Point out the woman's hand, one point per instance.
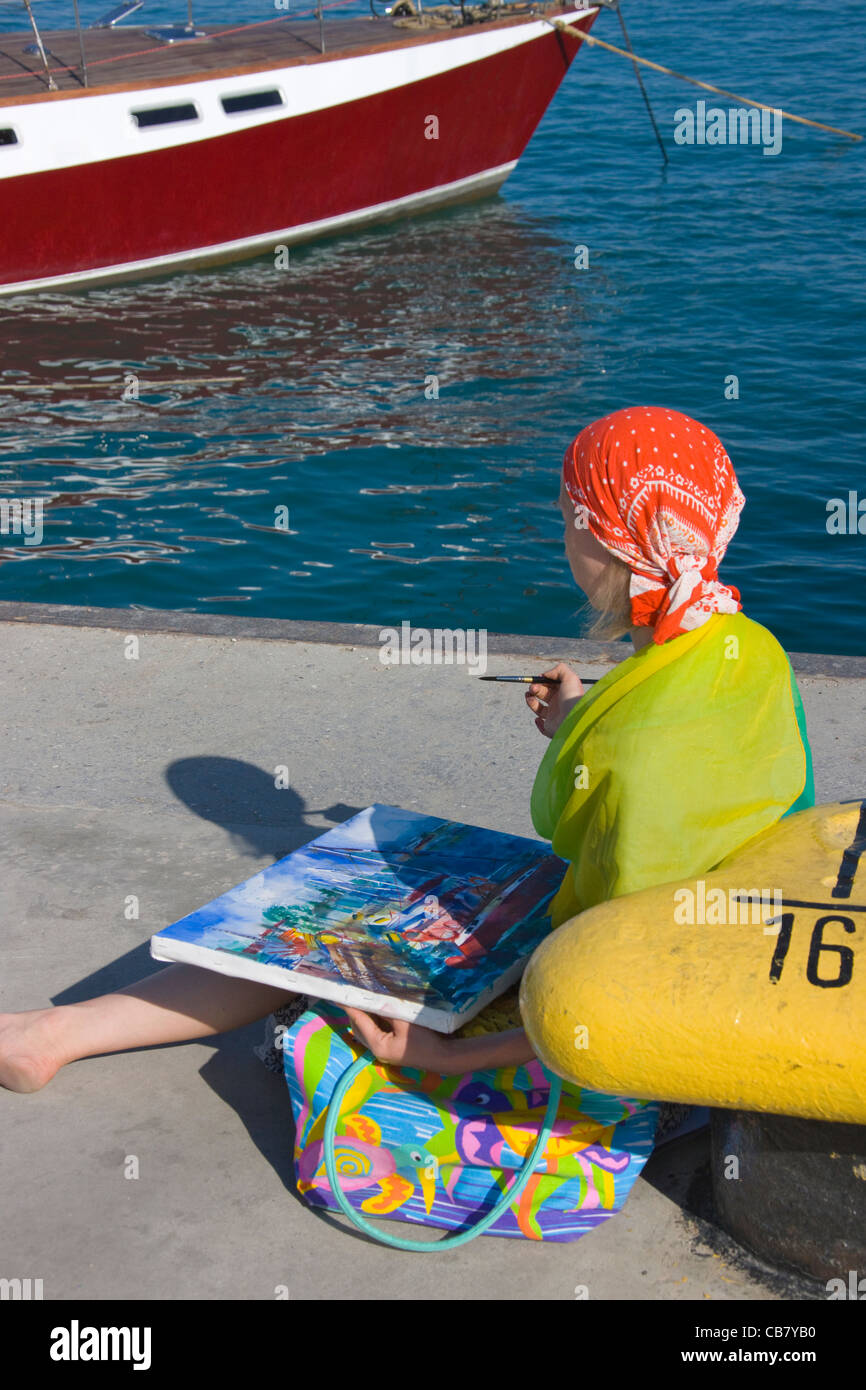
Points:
(551, 703)
(399, 1044)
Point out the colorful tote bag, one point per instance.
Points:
(440, 1150)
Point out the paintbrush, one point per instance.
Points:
(539, 680)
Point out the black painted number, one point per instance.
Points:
(783, 941)
(817, 947)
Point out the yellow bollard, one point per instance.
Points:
(693, 992)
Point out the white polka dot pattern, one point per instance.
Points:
(670, 524)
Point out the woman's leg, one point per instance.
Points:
(173, 1005)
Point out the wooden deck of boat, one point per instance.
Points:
(128, 56)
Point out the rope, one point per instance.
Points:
(707, 86)
(640, 83)
(422, 1247)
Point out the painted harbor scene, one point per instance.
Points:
(418, 917)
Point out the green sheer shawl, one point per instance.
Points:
(677, 756)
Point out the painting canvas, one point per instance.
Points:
(405, 915)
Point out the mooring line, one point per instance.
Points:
(640, 83)
(707, 86)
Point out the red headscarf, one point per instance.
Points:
(659, 492)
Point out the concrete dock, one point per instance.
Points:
(152, 777)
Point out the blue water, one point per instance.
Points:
(443, 511)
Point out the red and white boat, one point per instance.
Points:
(126, 153)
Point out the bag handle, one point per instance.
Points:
(447, 1242)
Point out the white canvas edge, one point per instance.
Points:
(385, 1005)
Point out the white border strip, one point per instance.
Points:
(92, 128)
(385, 1005)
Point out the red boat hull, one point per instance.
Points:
(239, 193)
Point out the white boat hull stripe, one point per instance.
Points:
(98, 127)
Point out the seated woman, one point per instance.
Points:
(680, 754)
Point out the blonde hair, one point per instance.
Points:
(612, 605)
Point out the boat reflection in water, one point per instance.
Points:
(169, 500)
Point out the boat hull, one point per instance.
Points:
(384, 135)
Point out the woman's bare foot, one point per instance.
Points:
(29, 1051)
(178, 1004)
